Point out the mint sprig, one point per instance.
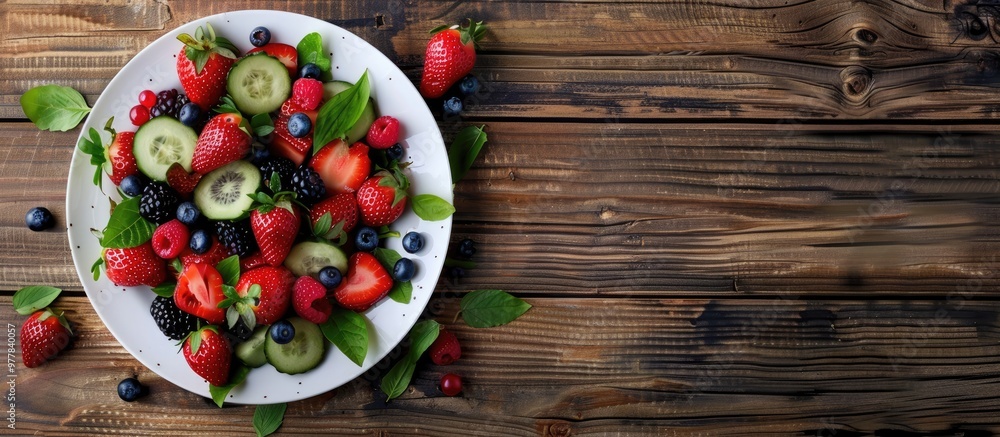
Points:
(267, 418)
(488, 308)
(464, 150)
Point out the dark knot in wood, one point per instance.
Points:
(866, 36)
(857, 82)
(559, 429)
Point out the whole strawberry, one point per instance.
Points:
(450, 55)
(134, 266)
(43, 336)
(265, 291)
(202, 65)
(382, 198)
(343, 208)
(209, 355)
(223, 140)
(275, 226)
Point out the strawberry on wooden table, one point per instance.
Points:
(223, 140)
(450, 55)
(133, 266)
(202, 65)
(366, 283)
(209, 355)
(43, 336)
(382, 198)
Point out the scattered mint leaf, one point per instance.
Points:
(267, 418)
(338, 115)
(33, 298)
(431, 208)
(310, 50)
(487, 308)
(126, 228)
(349, 332)
(421, 337)
(54, 107)
(464, 150)
(219, 393)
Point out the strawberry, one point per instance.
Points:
(215, 253)
(366, 283)
(450, 55)
(284, 144)
(291, 106)
(382, 198)
(180, 180)
(275, 226)
(116, 159)
(343, 168)
(170, 239)
(341, 207)
(266, 292)
(445, 349)
(308, 93)
(252, 262)
(199, 292)
(43, 335)
(134, 266)
(208, 353)
(383, 133)
(285, 53)
(223, 140)
(202, 66)
(310, 301)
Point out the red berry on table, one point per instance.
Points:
(134, 266)
(138, 115)
(310, 301)
(451, 384)
(199, 292)
(450, 55)
(382, 198)
(202, 66)
(342, 207)
(209, 355)
(445, 349)
(147, 98)
(384, 132)
(285, 53)
(170, 239)
(275, 292)
(222, 141)
(366, 283)
(308, 93)
(343, 168)
(275, 227)
(43, 336)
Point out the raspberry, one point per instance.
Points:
(308, 93)
(170, 238)
(445, 350)
(384, 132)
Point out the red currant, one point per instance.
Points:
(147, 98)
(138, 115)
(451, 384)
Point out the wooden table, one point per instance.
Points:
(731, 217)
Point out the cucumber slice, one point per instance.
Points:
(309, 257)
(302, 354)
(360, 129)
(258, 84)
(161, 142)
(223, 194)
(251, 352)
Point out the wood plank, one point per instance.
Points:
(598, 365)
(658, 60)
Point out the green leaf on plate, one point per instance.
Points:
(338, 115)
(267, 418)
(310, 50)
(229, 268)
(33, 298)
(401, 292)
(54, 107)
(349, 332)
(165, 289)
(431, 208)
(487, 308)
(219, 393)
(464, 150)
(126, 228)
(387, 257)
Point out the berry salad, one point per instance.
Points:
(257, 204)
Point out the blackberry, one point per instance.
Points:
(236, 236)
(307, 185)
(284, 167)
(158, 203)
(173, 322)
(168, 102)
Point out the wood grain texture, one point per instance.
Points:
(593, 365)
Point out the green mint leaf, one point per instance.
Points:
(398, 378)
(339, 114)
(54, 107)
(267, 418)
(126, 228)
(464, 150)
(386, 257)
(238, 376)
(33, 298)
(323, 225)
(229, 268)
(401, 292)
(310, 50)
(431, 208)
(93, 146)
(349, 332)
(488, 308)
(165, 289)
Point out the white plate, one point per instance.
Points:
(125, 311)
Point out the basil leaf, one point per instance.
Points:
(487, 308)
(54, 107)
(422, 335)
(33, 298)
(267, 418)
(310, 50)
(401, 292)
(387, 257)
(339, 114)
(126, 228)
(229, 268)
(219, 393)
(464, 150)
(261, 124)
(398, 378)
(432, 208)
(349, 332)
(165, 289)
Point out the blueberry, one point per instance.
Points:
(366, 240)
(282, 332)
(469, 85)
(133, 185)
(453, 106)
(403, 270)
(188, 213)
(299, 125)
(260, 36)
(310, 70)
(394, 152)
(39, 219)
(330, 277)
(259, 155)
(467, 248)
(189, 114)
(200, 242)
(456, 273)
(413, 242)
(130, 389)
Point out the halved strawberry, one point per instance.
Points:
(180, 180)
(291, 106)
(343, 168)
(215, 253)
(366, 283)
(284, 144)
(285, 53)
(199, 292)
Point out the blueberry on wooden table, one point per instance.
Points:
(39, 219)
